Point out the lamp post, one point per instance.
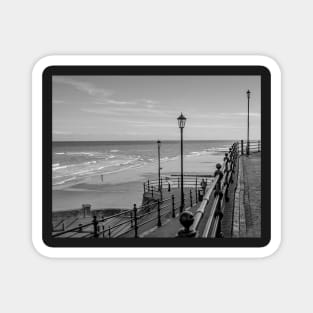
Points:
(181, 124)
(248, 126)
(159, 165)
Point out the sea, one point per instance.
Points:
(73, 161)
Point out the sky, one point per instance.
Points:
(91, 108)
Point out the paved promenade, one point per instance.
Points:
(170, 226)
(247, 209)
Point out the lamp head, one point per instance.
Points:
(181, 120)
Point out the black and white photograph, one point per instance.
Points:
(156, 156)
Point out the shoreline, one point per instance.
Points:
(122, 189)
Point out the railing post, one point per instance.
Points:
(148, 185)
(242, 147)
(258, 145)
(159, 214)
(190, 195)
(152, 191)
(80, 228)
(102, 231)
(135, 221)
(196, 189)
(219, 214)
(173, 206)
(178, 184)
(144, 187)
(231, 172)
(109, 232)
(226, 161)
(220, 175)
(169, 187)
(226, 191)
(131, 219)
(95, 227)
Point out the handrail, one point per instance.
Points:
(89, 224)
(219, 190)
(251, 146)
(200, 211)
(132, 218)
(173, 181)
(213, 225)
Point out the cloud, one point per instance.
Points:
(153, 124)
(138, 102)
(216, 126)
(150, 106)
(239, 114)
(112, 101)
(150, 101)
(61, 132)
(83, 86)
(55, 101)
(126, 111)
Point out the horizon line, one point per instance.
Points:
(152, 140)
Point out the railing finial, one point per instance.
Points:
(95, 227)
(186, 219)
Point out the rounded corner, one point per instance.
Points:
(270, 64)
(271, 247)
(42, 247)
(43, 64)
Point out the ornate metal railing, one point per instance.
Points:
(253, 146)
(155, 188)
(205, 222)
(130, 222)
(213, 204)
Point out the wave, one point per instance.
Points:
(91, 162)
(59, 167)
(203, 152)
(64, 181)
(82, 170)
(81, 153)
(123, 169)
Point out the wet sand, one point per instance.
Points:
(123, 189)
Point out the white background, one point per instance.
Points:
(32, 29)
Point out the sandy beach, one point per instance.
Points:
(124, 188)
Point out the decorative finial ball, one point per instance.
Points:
(218, 166)
(186, 219)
